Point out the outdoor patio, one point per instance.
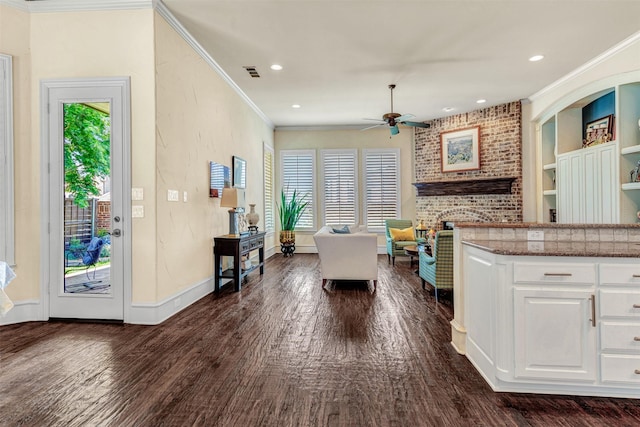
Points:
(78, 282)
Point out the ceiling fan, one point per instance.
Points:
(392, 119)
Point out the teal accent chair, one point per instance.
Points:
(437, 269)
(397, 248)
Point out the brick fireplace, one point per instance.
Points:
(500, 157)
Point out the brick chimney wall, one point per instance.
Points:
(500, 156)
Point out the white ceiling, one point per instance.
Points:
(339, 56)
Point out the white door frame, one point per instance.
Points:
(123, 85)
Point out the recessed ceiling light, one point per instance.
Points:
(276, 67)
(448, 109)
(296, 106)
(481, 101)
(535, 58)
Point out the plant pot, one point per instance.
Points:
(287, 242)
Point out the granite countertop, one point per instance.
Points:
(558, 248)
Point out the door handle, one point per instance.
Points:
(117, 232)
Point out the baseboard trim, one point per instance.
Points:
(458, 337)
(23, 311)
(156, 313)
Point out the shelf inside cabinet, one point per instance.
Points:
(631, 150)
(549, 167)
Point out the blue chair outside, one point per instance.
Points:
(92, 254)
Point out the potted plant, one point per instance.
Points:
(289, 211)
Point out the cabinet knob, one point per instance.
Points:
(637, 371)
(636, 305)
(636, 338)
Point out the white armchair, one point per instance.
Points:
(352, 256)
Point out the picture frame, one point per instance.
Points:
(219, 178)
(239, 172)
(598, 131)
(460, 150)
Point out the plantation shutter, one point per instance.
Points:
(298, 173)
(269, 224)
(340, 184)
(382, 186)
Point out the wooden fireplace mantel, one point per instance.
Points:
(465, 187)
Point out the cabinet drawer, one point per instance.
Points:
(257, 243)
(245, 246)
(620, 274)
(620, 336)
(619, 303)
(553, 273)
(620, 368)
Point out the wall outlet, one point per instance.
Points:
(137, 194)
(172, 195)
(535, 235)
(137, 211)
(184, 196)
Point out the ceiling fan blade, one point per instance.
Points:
(375, 120)
(394, 130)
(417, 124)
(374, 126)
(404, 117)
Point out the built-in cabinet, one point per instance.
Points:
(559, 325)
(592, 184)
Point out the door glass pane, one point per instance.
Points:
(87, 202)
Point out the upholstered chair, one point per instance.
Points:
(437, 268)
(395, 245)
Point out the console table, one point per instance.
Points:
(237, 246)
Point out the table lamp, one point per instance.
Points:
(233, 198)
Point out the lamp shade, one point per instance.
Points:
(232, 198)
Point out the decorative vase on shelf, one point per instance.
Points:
(253, 217)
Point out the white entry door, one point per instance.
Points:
(87, 239)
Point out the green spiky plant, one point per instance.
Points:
(291, 210)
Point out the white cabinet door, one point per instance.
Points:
(586, 186)
(553, 335)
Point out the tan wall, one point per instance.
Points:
(199, 119)
(14, 40)
(100, 44)
(327, 139)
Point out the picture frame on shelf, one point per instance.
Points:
(239, 172)
(598, 131)
(460, 150)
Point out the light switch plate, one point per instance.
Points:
(184, 196)
(536, 235)
(137, 194)
(172, 195)
(137, 211)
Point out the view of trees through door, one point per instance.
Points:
(87, 204)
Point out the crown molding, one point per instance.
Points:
(197, 47)
(76, 6)
(587, 66)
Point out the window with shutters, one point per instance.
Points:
(381, 186)
(298, 171)
(339, 186)
(6, 161)
(269, 224)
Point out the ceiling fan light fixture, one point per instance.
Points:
(394, 130)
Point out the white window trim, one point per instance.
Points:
(322, 197)
(7, 249)
(269, 204)
(398, 214)
(312, 196)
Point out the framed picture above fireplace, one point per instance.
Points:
(460, 149)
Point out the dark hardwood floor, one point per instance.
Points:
(280, 353)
